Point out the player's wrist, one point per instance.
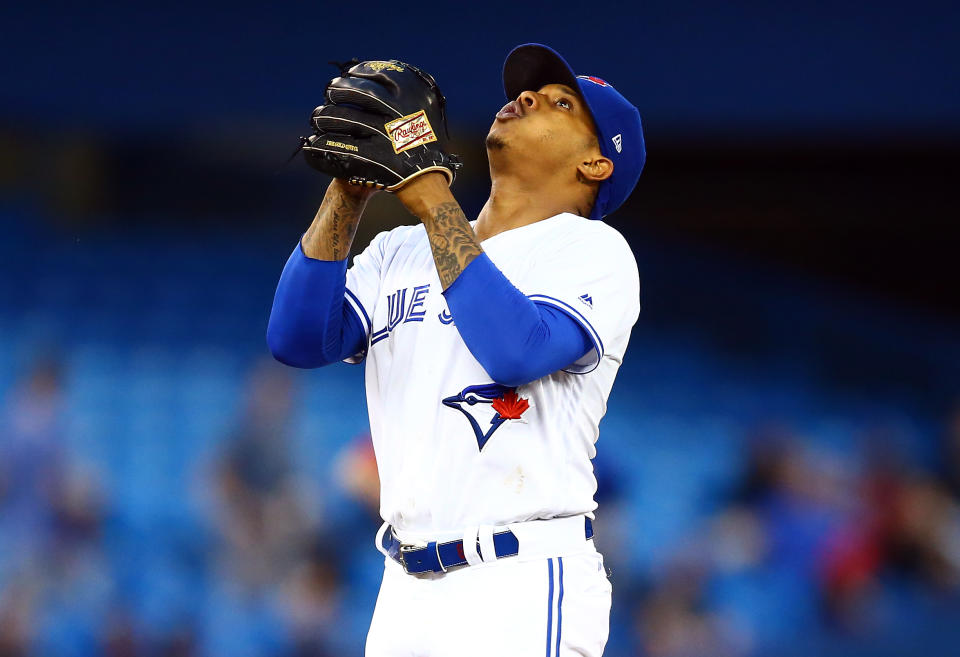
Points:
(356, 193)
(425, 192)
(331, 233)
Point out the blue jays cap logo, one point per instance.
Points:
(594, 79)
(503, 399)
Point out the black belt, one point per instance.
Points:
(437, 557)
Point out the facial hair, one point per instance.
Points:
(495, 143)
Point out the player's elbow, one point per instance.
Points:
(282, 350)
(510, 370)
(289, 350)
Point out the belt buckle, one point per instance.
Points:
(428, 567)
(404, 548)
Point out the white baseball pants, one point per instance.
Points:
(512, 607)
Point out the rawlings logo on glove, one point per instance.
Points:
(409, 131)
(377, 126)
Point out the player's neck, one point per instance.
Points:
(514, 203)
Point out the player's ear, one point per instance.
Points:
(595, 168)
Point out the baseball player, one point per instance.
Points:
(491, 347)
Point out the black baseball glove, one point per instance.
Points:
(379, 126)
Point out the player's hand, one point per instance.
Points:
(379, 127)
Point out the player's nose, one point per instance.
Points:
(529, 100)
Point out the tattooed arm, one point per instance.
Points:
(452, 239)
(311, 323)
(331, 233)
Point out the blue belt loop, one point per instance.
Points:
(436, 549)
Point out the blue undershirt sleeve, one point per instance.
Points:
(311, 324)
(515, 339)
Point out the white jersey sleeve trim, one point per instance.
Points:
(364, 318)
(581, 366)
(359, 310)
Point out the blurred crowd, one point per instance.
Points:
(276, 560)
(263, 576)
(807, 543)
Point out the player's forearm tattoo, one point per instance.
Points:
(331, 233)
(452, 240)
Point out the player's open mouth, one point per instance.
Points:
(510, 111)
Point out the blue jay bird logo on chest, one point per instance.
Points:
(507, 405)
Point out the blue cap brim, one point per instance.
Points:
(533, 65)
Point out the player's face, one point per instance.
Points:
(551, 125)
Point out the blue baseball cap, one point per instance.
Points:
(533, 65)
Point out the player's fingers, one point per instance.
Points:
(363, 94)
(348, 121)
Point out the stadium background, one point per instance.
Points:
(779, 468)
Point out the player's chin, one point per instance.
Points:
(495, 141)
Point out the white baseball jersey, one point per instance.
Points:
(453, 448)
